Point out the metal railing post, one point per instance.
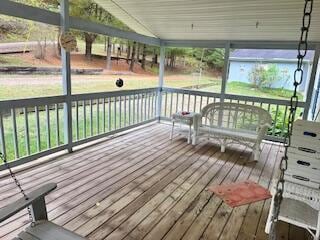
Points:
(66, 77)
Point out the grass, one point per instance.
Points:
(246, 89)
(46, 85)
(11, 61)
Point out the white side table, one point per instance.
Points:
(188, 118)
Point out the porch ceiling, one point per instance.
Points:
(274, 20)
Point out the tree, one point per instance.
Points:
(11, 27)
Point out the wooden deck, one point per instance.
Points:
(141, 185)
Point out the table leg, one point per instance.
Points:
(171, 133)
(189, 135)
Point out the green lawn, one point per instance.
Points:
(240, 88)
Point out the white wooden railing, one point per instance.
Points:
(36, 127)
(174, 100)
(32, 128)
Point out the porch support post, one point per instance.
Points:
(311, 82)
(160, 85)
(66, 77)
(225, 71)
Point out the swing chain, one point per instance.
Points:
(17, 183)
(298, 78)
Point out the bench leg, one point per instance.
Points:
(256, 152)
(223, 146)
(171, 133)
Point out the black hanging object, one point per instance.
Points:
(119, 82)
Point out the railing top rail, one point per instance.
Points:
(87, 96)
(233, 97)
(30, 102)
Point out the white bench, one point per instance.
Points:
(233, 122)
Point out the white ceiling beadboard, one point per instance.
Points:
(274, 20)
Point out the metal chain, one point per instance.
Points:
(16, 181)
(298, 77)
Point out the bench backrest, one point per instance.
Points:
(235, 115)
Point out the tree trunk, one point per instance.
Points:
(134, 46)
(128, 52)
(109, 61)
(138, 52)
(89, 38)
(143, 61)
(113, 48)
(58, 45)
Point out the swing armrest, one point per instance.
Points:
(34, 197)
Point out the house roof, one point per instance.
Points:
(274, 20)
(268, 54)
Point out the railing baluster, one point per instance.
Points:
(145, 106)
(171, 102)
(98, 116)
(91, 118)
(201, 103)
(48, 126)
(26, 130)
(129, 110)
(284, 121)
(57, 124)
(141, 108)
(38, 128)
(275, 120)
(149, 104)
(115, 113)
(109, 114)
(2, 138)
(125, 111)
(120, 110)
(195, 103)
(84, 119)
(133, 109)
(14, 129)
(177, 102)
(138, 113)
(104, 114)
(77, 120)
(165, 104)
(188, 102)
(182, 103)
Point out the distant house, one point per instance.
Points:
(244, 61)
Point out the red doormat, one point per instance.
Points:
(240, 193)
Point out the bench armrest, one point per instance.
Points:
(262, 130)
(21, 203)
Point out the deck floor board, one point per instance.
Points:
(141, 185)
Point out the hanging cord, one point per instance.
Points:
(17, 183)
(298, 77)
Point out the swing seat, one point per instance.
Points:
(42, 229)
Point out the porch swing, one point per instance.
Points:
(40, 227)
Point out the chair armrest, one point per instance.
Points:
(18, 205)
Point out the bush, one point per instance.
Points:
(264, 75)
